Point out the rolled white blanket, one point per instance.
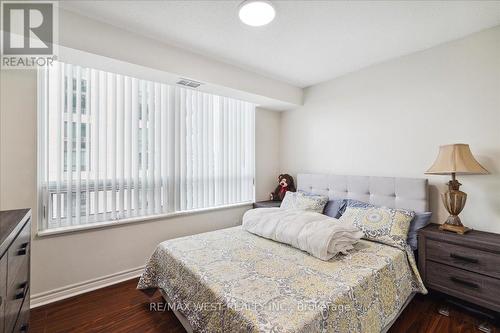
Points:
(320, 235)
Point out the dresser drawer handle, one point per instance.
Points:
(459, 257)
(21, 294)
(465, 283)
(22, 250)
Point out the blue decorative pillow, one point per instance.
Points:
(419, 221)
(354, 203)
(334, 208)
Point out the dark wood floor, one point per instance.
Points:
(122, 308)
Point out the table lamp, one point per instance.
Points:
(452, 160)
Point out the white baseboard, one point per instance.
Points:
(58, 294)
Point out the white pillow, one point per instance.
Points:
(304, 201)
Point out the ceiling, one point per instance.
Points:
(309, 41)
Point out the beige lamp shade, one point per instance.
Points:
(456, 158)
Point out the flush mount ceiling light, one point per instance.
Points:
(256, 12)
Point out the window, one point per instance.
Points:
(114, 147)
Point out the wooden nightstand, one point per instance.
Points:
(266, 204)
(464, 266)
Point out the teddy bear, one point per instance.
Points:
(285, 184)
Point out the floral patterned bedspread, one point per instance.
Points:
(233, 281)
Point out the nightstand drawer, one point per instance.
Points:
(462, 257)
(476, 288)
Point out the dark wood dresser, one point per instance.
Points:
(15, 236)
(464, 266)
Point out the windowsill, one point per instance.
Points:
(106, 224)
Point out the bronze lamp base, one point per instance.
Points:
(459, 229)
(454, 201)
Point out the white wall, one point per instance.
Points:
(389, 120)
(267, 134)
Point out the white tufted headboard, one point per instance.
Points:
(407, 193)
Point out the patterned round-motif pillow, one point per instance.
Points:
(376, 222)
(385, 225)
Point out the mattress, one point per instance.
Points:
(233, 281)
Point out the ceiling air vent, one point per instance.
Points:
(189, 83)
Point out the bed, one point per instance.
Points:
(233, 281)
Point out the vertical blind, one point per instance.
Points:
(116, 147)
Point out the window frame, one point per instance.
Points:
(139, 219)
(44, 210)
